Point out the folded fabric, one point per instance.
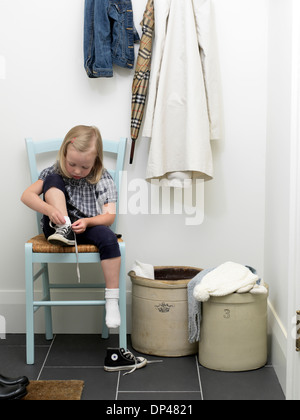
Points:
(228, 278)
(194, 307)
(143, 270)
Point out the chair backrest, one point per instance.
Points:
(36, 148)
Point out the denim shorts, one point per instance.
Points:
(109, 36)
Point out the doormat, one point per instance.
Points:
(54, 390)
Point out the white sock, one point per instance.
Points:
(113, 318)
(67, 219)
(67, 222)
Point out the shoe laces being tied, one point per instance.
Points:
(63, 230)
(77, 259)
(60, 229)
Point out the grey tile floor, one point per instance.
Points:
(81, 357)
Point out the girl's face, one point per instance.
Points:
(79, 164)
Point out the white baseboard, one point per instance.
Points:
(278, 346)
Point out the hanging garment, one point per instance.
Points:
(183, 110)
(109, 36)
(142, 74)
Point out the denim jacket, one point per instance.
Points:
(109, 36)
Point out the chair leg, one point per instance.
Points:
(123, 327)
(48, 312)
(29, 305)
(105, 331)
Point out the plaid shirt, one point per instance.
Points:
(85, 199)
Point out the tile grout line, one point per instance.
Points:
(158, 391)
(199, 378)
(39, 375)
(73, 367)
(117, 389)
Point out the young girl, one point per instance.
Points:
(79, 196)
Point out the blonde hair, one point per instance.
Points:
(83, 138)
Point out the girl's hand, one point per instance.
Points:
(79, 226)
(56, 217)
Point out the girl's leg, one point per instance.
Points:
(55, 195)
(57, 199)
(106, 241)
(111, 270)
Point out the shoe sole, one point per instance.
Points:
(13, 384)
(16, 397)
(59, 240)
(119, 368)
(19, 397)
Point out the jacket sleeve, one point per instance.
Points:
(161, 12)
(97, 40)
(206, 33)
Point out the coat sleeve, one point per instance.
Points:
(206, 33)
(161, 12)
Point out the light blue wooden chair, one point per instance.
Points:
(38, 250)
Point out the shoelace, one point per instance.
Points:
(130, 356)
(62, 230)
(77, 259)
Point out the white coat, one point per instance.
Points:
(183, 109)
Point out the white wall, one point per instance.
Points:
(278, 177)
(44, 91)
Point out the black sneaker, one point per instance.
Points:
(121, 359)
(63, 235)
(14, 392)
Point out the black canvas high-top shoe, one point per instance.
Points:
(63, 235)
(121, 359)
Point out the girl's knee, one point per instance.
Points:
(107, 242)
(110, 251)
(54, 181)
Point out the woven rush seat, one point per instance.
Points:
(40, 244)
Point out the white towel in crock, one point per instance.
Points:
(228, 278)
(143, 270)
